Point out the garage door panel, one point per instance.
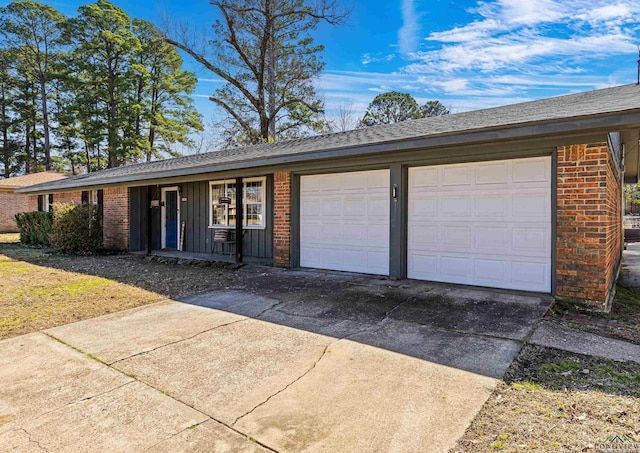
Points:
(331, 206)
(355, 206)
(457, 205)
(492, 173)
(378, 234)
(492, 205)
(356, 181)
(456, 175)
(424, 206)
(491, 239)
(531, 240)
(531, 275)
(456, 237)
(425, 177)
(456, 268)
(423, 266)
(424, 237)
(310, 184)
(351, 233)
(532, 170)
(311, 208)
(378, 207)
(531, 205)
(494, 232)
(491, 272)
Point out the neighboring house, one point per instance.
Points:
(12, 203)
(522, 197)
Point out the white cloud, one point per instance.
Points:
(205, 80)
(368, 58)
(510, 33)
(408, 34)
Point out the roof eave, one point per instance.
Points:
(594, 123)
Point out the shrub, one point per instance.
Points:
(35, 227)
(76, 228)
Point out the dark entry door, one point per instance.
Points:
(171, 220)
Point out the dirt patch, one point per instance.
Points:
(623, 322)
(39, 290)
(557, 401)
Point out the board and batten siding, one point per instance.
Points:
(198, 237)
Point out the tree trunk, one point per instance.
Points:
(271, 85)
(112, 131)
(45, 124)
(86, 152)
(152, 124)
(5, 136)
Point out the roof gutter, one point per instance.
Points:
(604, 123)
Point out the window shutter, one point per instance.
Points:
(40, 203)
(85, 196)
(50, 202)
(100, 197)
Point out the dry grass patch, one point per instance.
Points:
(554, 401)
(39, 290)
(9, 238)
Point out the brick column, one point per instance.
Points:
(589, 240)
(115, 223)
(282, 219)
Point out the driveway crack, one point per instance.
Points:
(31, 440)
(179, 340)
(178, 433)
(247, 318)
(311, 368)
(87, 398)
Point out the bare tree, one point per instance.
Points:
(346, 118)
(264, 52)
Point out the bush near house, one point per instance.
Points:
(35, 227)
(70, 229)
(76, 228)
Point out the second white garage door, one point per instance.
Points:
(344, 221)
(484, 224)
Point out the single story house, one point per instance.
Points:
(11, 203)
(521, 197)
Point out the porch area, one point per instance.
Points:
(210, 257)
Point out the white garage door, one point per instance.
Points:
(344, 221)
(484, 224)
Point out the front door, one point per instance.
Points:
(170, 218)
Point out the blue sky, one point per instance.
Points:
(467, 54)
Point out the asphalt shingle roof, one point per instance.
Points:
(30, 179)
(587, 104)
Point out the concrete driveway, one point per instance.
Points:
(286, 361)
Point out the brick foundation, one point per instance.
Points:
(10, 204)
(589, 237)
(115, 224)
(282, 219)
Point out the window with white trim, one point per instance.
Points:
(223, 215)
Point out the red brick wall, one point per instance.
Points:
(589, 241)
(282, 219)
(10, 204)
(66, 198)
(32, 203)
(115, 224)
